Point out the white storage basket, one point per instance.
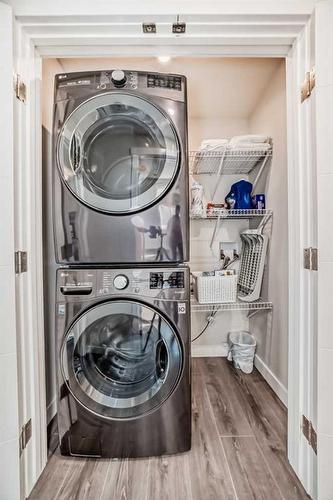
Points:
(215, 289)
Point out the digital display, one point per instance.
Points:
(164, 280)
(164, 81)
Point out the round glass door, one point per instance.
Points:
(118, 153)
(121, 359)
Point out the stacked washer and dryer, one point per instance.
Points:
(121, 236)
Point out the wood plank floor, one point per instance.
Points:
(238, 451)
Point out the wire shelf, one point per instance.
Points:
(233, 306)
(223, 213)
(226, 162)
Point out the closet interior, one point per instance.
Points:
(230, 101)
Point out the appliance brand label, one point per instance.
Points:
(181, 308)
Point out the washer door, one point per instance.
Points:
(118, 153)
(121, 359)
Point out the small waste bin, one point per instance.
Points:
(242, 347)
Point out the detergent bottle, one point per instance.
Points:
(239, 196)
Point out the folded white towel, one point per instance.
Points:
(214, 144)
(248, 146)
(252, 138)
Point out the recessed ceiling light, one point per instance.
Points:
(164, 59)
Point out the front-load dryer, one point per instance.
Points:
(120, 191)
(123, 357)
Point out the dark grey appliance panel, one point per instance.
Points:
(109, 355)
(120, 175)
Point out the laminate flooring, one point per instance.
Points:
(238, 451)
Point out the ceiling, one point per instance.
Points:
(217, 86)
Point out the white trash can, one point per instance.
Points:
(242, 347)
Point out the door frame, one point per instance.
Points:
(223, 35)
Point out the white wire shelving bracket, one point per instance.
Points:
(224, 214)
(228, 162)
(251, 307)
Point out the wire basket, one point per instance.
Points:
(215, 289)
(254, 248)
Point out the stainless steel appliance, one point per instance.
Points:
(123, 355)
(120, 191)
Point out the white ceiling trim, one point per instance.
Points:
(205, 18)
(68, 36)
(185, 50)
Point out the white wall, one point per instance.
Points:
(269, 117)
(212, 342)
(214, 127)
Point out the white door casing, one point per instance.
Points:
(28, 237)
(9, 399)
(302, 282)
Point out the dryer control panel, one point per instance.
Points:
(82, 84)
(164, 81)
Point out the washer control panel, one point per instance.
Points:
(86, 284)
(164, 280)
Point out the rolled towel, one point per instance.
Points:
(252, 138)
(248, 146)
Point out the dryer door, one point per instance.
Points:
(121, 359)
(118, 153)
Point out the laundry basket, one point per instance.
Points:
(242, 347)
(215, 289)
(253, 255)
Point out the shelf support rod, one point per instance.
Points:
(263, 222)
(251, 314)
(261, 169)
(218, 174)
(217, 223)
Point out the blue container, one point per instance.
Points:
(239, 196)
(259, 201)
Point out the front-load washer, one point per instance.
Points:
(120, 168)
(123, 357)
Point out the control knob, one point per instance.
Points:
(120, 282)
(118, 78)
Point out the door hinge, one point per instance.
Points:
(309, 433)
(308, 84)
(20, 88)
(21, 262)
(25, 435)
(310, 259)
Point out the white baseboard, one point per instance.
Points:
(51, 410)
(210, 351)
(272, 380)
